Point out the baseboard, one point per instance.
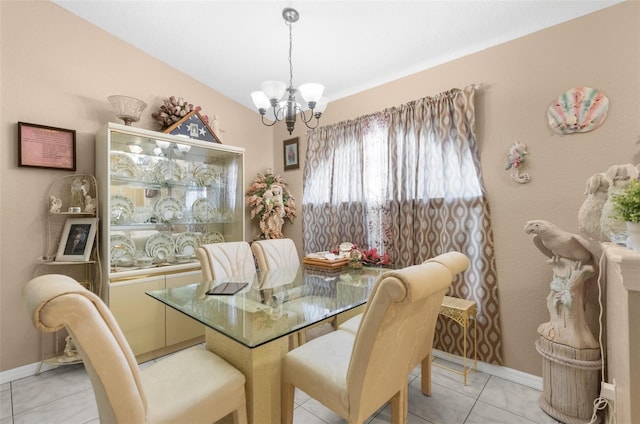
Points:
(508, 374)
(23, 371)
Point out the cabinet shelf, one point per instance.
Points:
(49, 262)
(164, 226)
(134, 182)
(61, 360)
(67, 214)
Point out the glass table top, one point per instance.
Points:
(275, 303)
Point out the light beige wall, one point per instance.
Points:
(519, 80)
(58, 70)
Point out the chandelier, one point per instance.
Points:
(273, 91)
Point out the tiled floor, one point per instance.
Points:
(64, 395)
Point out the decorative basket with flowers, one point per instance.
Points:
(271, 202)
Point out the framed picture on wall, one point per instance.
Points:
(41, 146)
(291, 159)
(77, 240)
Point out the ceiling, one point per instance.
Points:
(349, 46)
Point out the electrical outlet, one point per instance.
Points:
(608, 391)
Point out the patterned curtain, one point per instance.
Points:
(408, 182)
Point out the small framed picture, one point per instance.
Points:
(291, 159)
(41, 146)
(77, 240)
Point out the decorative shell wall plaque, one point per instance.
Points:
(581, 109)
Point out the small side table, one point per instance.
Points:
(462, 311)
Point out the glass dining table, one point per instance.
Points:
(250, 328)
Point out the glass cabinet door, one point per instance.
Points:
(166, 195)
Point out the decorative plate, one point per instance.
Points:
(169, 208)
(212, 237)
(201, 209)
(122, 165)
(123, 249)
(160, 247)
(187, 243)
(204, 175)
(169, 170)
(122, 208)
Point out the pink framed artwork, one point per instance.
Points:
(41, 146)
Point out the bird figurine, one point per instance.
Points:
(556, 243)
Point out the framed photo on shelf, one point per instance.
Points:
(41, 146)
(77, 240)
(291, 159)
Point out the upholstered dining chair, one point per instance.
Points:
(219, 260)
(275, 253)
(456, 262)
(193, 385)
(280, 253)
(355, 374)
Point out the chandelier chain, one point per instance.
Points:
(290, 51)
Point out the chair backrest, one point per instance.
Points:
(227, 259)
(400, 303)
(275, 253)
(56, 301)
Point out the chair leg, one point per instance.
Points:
(293, 341)
(239, 416)
(426, 374)
(400, 405)
(288, 393)
(302, 337)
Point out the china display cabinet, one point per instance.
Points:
(163, 196)
(71, 246)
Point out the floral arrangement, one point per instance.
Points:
(626, 204)
(271, 202)
(369, 256)
(173, 110)
(372, 257)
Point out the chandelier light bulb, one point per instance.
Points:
(261, 101)
(273, 90)
(311, 92)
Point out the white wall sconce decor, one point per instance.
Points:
(579, 110)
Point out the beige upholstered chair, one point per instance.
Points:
(220, 260)
(456, 263)
(280, 253)
(355, 374)
(191, 386)
(275, 253)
